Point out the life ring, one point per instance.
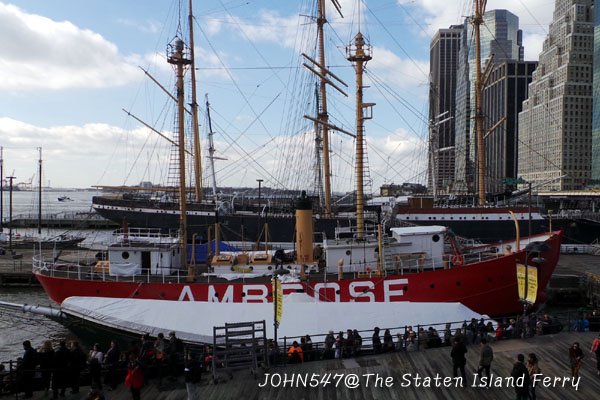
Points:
(458, 259)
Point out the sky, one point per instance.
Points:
(69, 68)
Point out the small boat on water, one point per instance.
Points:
(65, 198)
(19, 241)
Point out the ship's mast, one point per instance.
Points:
(477, 20)
(196, 128)
(40, 192)
(323, 116)
(322, 119)
(176, 56)
(211, 150)
(359, 54)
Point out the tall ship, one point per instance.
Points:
(376, 264)
(242, 216)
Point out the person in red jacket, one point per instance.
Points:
(596, 350)
(135, 378)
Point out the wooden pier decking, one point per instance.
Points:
(552, 351)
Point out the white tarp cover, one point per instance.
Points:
(124, 269)
(194, 321)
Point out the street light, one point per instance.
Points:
(10, 207)
(260, 181)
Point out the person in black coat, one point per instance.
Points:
(62, 357)
(78, 362)
(46, 359)
(521, 378)
(111, 362)
(27, 368)
(458, 359)
(376, 340)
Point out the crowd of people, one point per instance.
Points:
(66, 366)
(55, 370)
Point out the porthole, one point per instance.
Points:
(125, 255)
(432, 286)
(435, 238)
(348, 252)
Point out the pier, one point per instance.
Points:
(552, 351)
(69, 220)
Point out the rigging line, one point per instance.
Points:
(237, 147)
(396, 42)
(262, 57)
(544, 27)
(264, 68)
(246, 100)
(411, 127)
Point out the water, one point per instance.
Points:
(17, 326)
(26, 203)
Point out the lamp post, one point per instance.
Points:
(260, 181)
(10, 206)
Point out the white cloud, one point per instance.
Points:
(39, 53)
(398, 72)
(147, 26)
(534, 17)
(69, 151)
(272, 27)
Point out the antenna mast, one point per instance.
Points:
(477, 20)
(176, 56)
(360, 54)
(196, 128)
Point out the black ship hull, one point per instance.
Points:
(234, 226)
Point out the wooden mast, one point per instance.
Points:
(360, 53)
(196, 128)
(40, 192)
(323, 116)
(176, 56)
(479, 6)
(322, 119)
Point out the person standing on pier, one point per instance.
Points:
(111, 363)
(78, 361)
(135, 378)
(61, 370)
(95, 360)
(485, 358)
(520, 371)
(46, 359)
(193, 375)
(27, 368)
(596, 349)
(575, 357)
(376, 340)
(459, 360)
(534, 369)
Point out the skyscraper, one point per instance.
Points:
(595, 181)
(503, 98)
(555, 126)
(444, 49)
(500, 37)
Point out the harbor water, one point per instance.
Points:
(17, 326)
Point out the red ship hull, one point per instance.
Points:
(487, 287)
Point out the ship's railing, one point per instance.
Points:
(84, 269)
